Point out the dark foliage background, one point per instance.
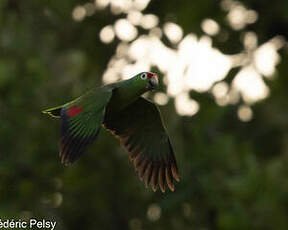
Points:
(234, 174)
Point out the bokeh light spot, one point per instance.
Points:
(89, 8)
(220, 89)
(141, 4)
(251, 16)
(153, 212)
(186, 106)
(120, 6)
(236, 17)
(149, 21)
(250, 40)
(210, 27)
(173, 32)
(134, 17)
(107, 34)
(79, 13)
(245, 113)
(266, 58)
(101, 4)
(161, 98)
(125, 30)
(251, 85)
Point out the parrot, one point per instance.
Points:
(135, 121)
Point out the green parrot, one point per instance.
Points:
(135, 121)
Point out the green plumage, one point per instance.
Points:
(133, 119)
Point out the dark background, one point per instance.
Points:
(233, 173)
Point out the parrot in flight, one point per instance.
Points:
(135, 121)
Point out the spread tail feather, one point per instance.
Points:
(54, 112)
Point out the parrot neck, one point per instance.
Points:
(127, 92)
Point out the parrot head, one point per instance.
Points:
(149, 79)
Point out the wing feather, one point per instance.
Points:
(81, 122)
(141, 132)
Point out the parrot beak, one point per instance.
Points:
(153, 81)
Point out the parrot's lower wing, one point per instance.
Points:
(81, 122)
(140, 130)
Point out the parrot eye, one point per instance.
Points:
(143, 76)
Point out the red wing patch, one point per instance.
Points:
(74, 110)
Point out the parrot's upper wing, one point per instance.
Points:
(140, 130)
(81, 121)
